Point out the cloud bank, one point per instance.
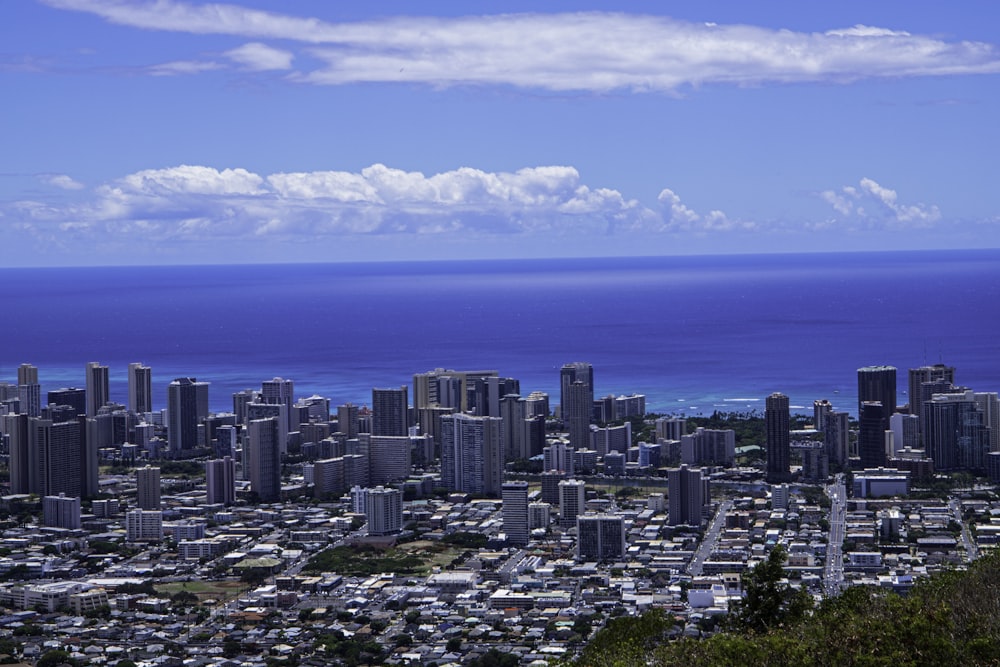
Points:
(588, 51)
(193, 203)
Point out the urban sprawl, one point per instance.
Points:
(457, 517)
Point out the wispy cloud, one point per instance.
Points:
(61, 181)
(590, 51)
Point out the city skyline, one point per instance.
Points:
(159, 133)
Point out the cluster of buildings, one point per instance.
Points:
(245, 498)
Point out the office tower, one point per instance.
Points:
(390, 459)
(240, 401)
(821, 408)
(472, 454)
(905, 431)
(578, 371)
(707, 446)
(533, 435)
(143, 526)
(878, 384)
(606, 439)
(389, 411)
(187, 406)
(97, 387)
(956, 435)
(271, 411)
(15, 427)
(383, 510)
(558, 456)
(538, 404)
(347, 419)
(988, 403)
(76, 398)
(60, 454)
(572, 500)
(485, 394)
(147, 483)
(262, 458)
(600, 537)
(515, 513)
(686, 498)
(29, 392)
(220, 481)
(936, 374)
(280, 392)
(837, 437)
(61, 511)
(871, 435)
(513, 411)
(670, 428)
(577, 416)
(776, 418)
(140, 388)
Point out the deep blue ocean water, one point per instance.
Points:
(694, 334)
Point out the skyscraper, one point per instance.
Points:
(262, 458)
(62, 458)
(147, 482)
(600, 537)
(19, 462)
(29, 392)
(390, 411)
(956, 435)
(937, 373)
(836, 437)
(878, 383)
(390, 458)
(140, 388)
(776, 418)
(280, 392)
(515, 513)
(572, 501)
(187, 406)
(97, 387)
(578, 371)
(685, 496)
(579, 404)
(383, 510)
(220, 481)
(347, 419)
(472, 454)
(71, 396)
(871, 435)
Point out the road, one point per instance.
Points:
(971, 551)
(833, 572)
(708, 542)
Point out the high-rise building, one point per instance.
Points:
(988, 403)
(472, 454)
(670, 428)
(187, 406)
(578, 371)
(280, 392)
(61, 511)
(140, 388)
(29, 392)
(600, 537)
(878, 384)
(143, 525)
(686, 498)
(572, 501)
(98, 392)
(262, 458)
(779, 439)
(871, 434)
(610, 439)
(147, 482)
(390, 411)
(390, 458)
(550, 485)
(558, 456)
(383, 510)
(934, 375)
(16, 429)
(59, 452)
(447, 388)
(347, 419)
(707, 446)
(271, 411)
(955, 434)
(579, 403)
(905, 431)
(515, 513)
(513, 411)
(485, 394)
(837, 437)
(71, 396)
(220, 481)
(821, 408)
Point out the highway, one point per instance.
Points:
(833, 572)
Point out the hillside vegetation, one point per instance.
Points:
(951, 618)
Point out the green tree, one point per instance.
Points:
(767, 602)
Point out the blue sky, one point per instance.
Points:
(180, 132)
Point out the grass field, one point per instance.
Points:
(205, 590)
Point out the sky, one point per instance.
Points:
(181, 132)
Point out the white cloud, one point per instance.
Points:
(178, 67)
(594, 51)
(261, 57)
(62, 181)
(876, 205)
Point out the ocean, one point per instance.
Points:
(694, 334)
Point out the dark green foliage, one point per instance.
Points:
(466, 540)
(951, 618)
(363, 561)
(494, 658)
(768, 603)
